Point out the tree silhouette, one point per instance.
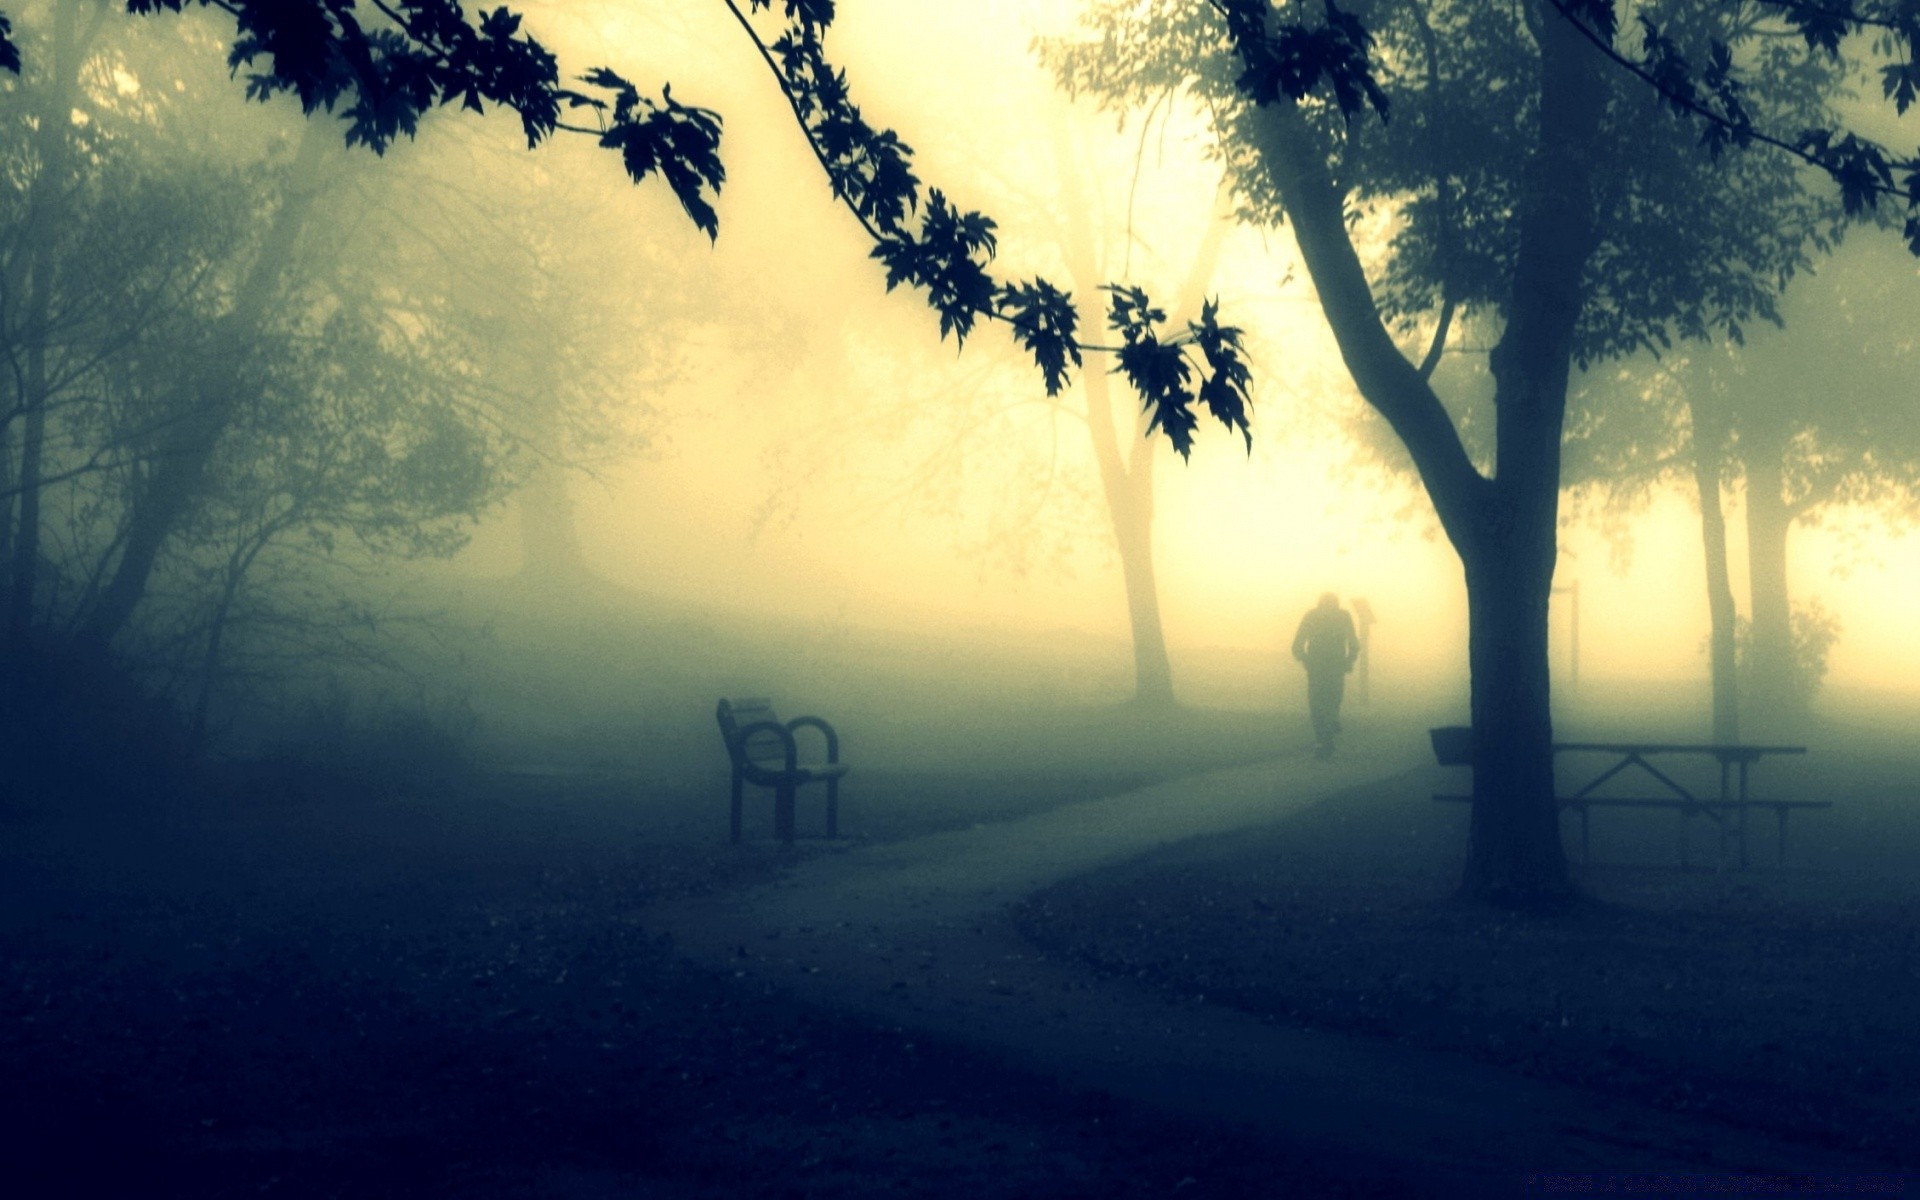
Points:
(1522, 164)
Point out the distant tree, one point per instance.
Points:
(336, 418)
(520, 273)
(355, 451)
(1035, 473)
(1123, 447)
(1645, 425)
(1817, 415)
(1534, 182)
(1835, 429)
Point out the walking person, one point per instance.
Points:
(1327, 646)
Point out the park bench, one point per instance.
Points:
(1728, 809)
(765, 751)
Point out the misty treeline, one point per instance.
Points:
(1578, 187)
(245, 365)
(1813, 424)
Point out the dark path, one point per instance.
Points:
(916, 934)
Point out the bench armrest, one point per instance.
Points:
(833, 739)
(739, 748)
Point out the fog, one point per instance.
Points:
(387, 503)
(783, 485)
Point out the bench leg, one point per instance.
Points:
(1743, 837)
(735, 811)
(833, 808)
(783, 813)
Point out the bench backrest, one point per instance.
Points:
(760, 747)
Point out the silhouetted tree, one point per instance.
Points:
(1526, 172)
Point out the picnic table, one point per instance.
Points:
(1728, 807)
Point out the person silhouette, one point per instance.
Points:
(1327, 646)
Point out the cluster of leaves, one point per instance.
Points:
(380, 71)
(679, 141)
(948, 252)
(1293, 58)
(1163, 373)
(1712, 86)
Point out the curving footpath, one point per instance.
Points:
(916, 934)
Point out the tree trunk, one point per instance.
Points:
(1709, 440)
(1129, 496)
(1126, 477)
(1770, 651)
(1514, 854)
(1133, 535)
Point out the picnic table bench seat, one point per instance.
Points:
(765, 751)
(1728, 809)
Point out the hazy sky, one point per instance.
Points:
(796, 479)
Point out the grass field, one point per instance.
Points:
(1780, 999)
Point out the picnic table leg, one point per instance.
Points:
(1743, 837)
(735, 810)
(783, 812)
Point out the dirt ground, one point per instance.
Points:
(322, 985)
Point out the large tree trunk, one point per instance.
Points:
(1514, 854)
(210, 400)
(1709, 441)
(1770, 652)
(1503, 528)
